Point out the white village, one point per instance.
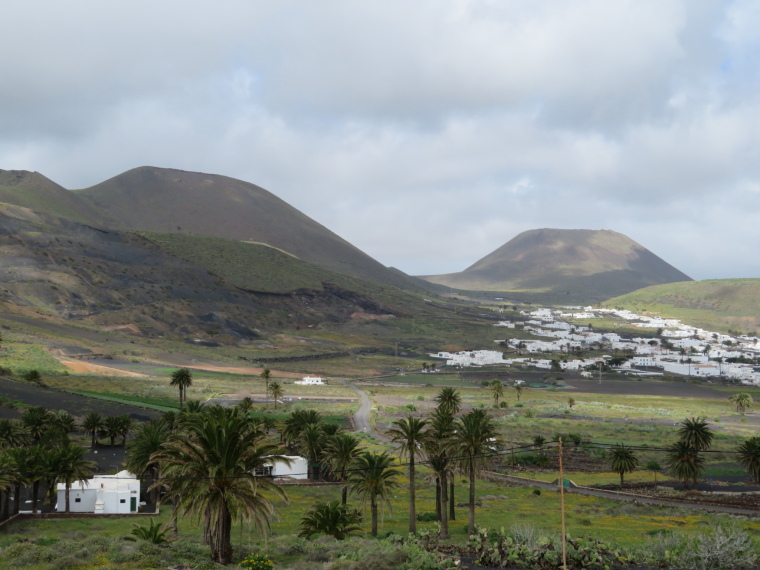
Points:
(678, 348)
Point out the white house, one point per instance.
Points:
(298, 468)
(104, 494)
(310, 381)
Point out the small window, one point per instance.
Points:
(77, 500)
(122, 500)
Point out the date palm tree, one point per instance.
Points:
(311, 443)
(246, 404)
(112, 428)
(518, 390)
(332, 519)
(341, 450)
(741, 401)
(695, 433)
(497, 391)
(209, 469)
(182, 378)
(125, 426)
(410, 434)
(437, 447)
(474, 441)
(275, 389)
(37, 421)
(266, 375)
(143, 447)
(71, 467)
(296, 422)
(13, 434)
(372, 478)
(685, 463)
(622, 460)
(449, 401)
(749, 457)
(93, 424)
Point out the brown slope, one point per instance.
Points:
(168, 200)
(587, 264)
(60, 270)
(37, 192)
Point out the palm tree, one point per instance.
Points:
(749, 457)
(112, 428)
(72, 466)
(266, 375)
(13, 434)
(497, 391)
(8, 474)
(311, 443)
(518, 390)
(437, 449)
(20, 457)
(332, 519)
(685, 463)
(209, 469)
(373, 477)
(37, 471)
(125, 426)
(741, 401)
(296, 422)
(182, 378)
(622, 460)
(276, 391)
(64, 421)
(341, 450)
(410, 434)
(449, 400)
(37, 421)
(93, 423)
(475, 439)
(141, 449)
(246, 404)
(695, 433)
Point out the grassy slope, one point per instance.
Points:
(715, 304)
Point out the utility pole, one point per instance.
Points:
(562, 507)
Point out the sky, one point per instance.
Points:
(428, 132)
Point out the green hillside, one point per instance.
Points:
(714, 304)
(252, 266)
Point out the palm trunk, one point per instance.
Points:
(6, 493)
(67, 498)
(621, 479)
(412, 497)
(444, 508)
(438, 498)
(92, 445)
(35, 493)
(452, 501)
(471, 521)
(374, 516)
(221, 547)
(344, 494)
(17, 499)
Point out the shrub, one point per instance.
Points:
(529, 414)
(257, 561)
(529, 460)
(154, 533)
(32, 376)
(719, 547)
(421, 398)
(504, 404)
(427, 517)
(411, 407)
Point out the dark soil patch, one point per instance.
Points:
(742, 497)
(645, 388)
(75, 404)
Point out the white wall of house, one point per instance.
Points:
(104, 494)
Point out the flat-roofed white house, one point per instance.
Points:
(103, 494)
(311, 381)
(298, 468)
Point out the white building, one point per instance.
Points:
(310, 381)
(298, 468)
(104, 494)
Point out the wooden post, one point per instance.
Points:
(562, 507)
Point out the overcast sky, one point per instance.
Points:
(426, 133)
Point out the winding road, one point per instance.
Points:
(362, 420)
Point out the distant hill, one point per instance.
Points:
(34, 191)
(175, 201)
(716, 304)
(572, 265)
